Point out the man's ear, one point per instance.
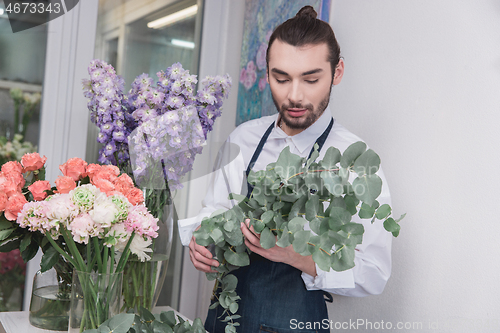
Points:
(339, 72)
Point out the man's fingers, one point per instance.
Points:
(201, 257)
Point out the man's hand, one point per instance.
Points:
(201, 257)
(277, 254)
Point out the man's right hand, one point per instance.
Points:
(201, 257)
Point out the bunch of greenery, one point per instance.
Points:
(146, 322)
(289, 194)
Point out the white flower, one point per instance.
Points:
(61, 208)
(140, 246)
(104, 213)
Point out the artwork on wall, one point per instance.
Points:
(261, 18)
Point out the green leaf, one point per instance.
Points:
(230, 329)
(267, 239)
(296, 224)
(352, 228)
(288, 164)
(145, 314)
(366, 211)
(217, 236)
(352, 153)
(233, 307)
(322, 259)
(331, 158)
(237, 259)
(25, 242)
(392, 226)
(121, 323)
(333, 183)
(314, 156)
(401, 217)
(267, 216)
(5, 233)
(229, 282)
(338, 217)
(367, 188)
(6, 224)
(30, 252)
(285, 239)
(49, 259)
(343, 260)
(168, 317)
(383, 211)
(351, 203)
(367, 164)
(10, 245)
(312, 207)
(237, 197)
(300, 239)
(159, 327)
(298, 206)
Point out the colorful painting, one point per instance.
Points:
(261, 18)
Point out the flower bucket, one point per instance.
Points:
(95, 297)
(50, 301)
(143, 281)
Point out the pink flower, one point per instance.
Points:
(65, 184)
(38, 189)
(8, 187)
(92, 169)
(262, 83)
(12, 168)
(3, 201)
(74, 168)
(261, 56)
(82, 227)
(14, 206)
(104, 186)
(135, 196)
(123, 183)
(142, 222)
(32, 162)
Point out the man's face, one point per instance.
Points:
(300, 79)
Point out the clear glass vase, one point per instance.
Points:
(142, 281)
(95, 297)
(50, 300)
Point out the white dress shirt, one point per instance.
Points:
(373, 257)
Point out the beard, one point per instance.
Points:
(311, 116)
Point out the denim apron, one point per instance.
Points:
(273, 295)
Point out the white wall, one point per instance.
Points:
(422, 87)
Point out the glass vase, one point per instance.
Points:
(95, 297)
(50, 300)
(143, 281)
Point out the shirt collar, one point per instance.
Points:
(307, 137)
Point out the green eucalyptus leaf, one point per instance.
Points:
(237, 197)
(343, 260)
(352, 228)
(146, 314)
(367, 188)
(121, 323)
(367, 164)
(366, 211)
(331, 158)
(296, 224)
(300, 239)
(229, 282)
(312, 207)
(333, 183)
(322, 259)
(338, 216)
(351, 203)
(344, 175)
(392, 226)
(230, 329)
(217, 236)
(400, 218)
(352, 153)
(314, 156)
(315, 225)
(229, 226)
(285, 239)
(278, 205)
(202, 237)
(298, 206)
(288, 164)
(159, 327)
(267, 239)
(267, 216)
(237, 259)
(233, 307)
(383, 211)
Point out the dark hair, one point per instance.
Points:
(306, 29)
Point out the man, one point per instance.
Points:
(281, 290)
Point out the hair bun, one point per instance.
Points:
(307, 11)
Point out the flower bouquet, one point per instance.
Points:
(154, 134)
(99, 217)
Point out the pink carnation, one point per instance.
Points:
(142, 222)
(74, 168)
(32, 162)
